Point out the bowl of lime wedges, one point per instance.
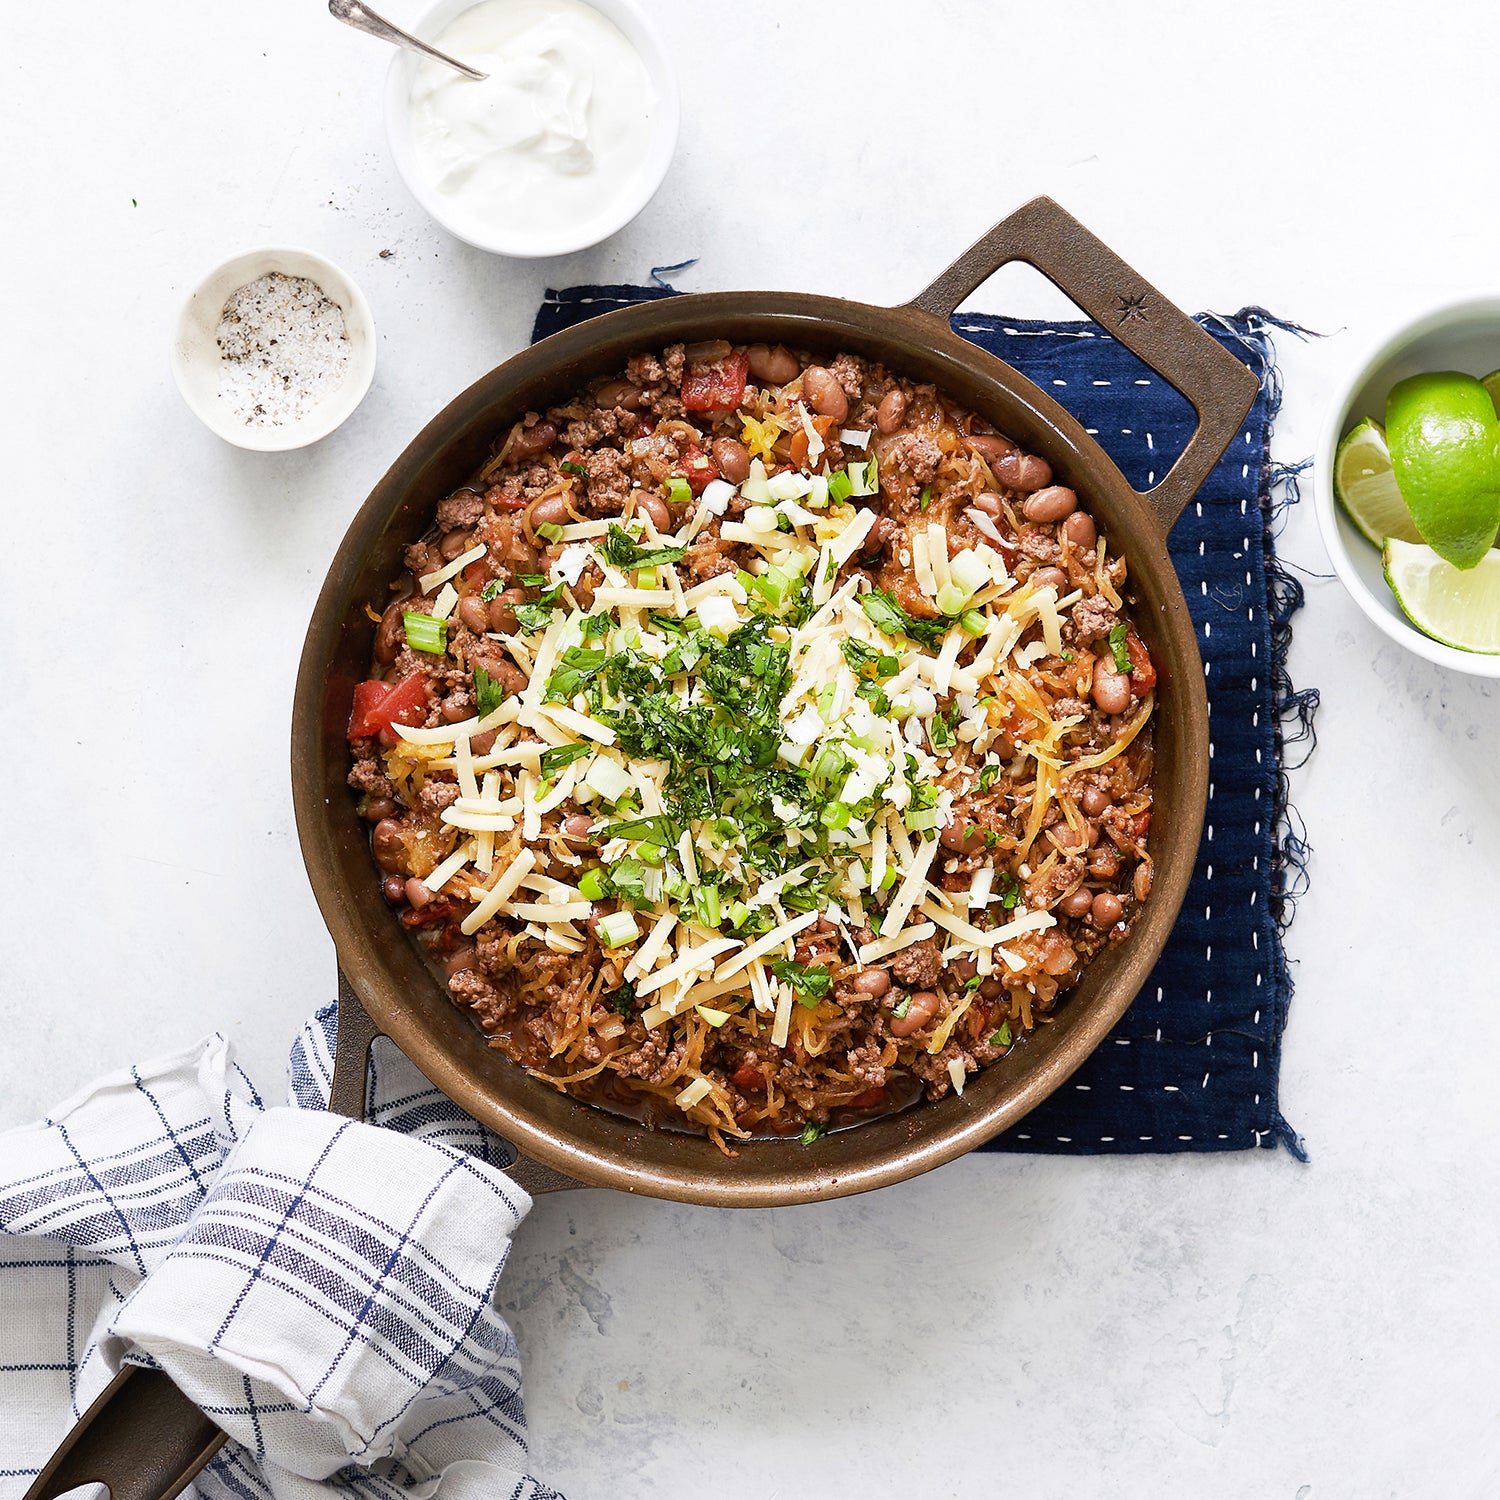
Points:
(1408, 486)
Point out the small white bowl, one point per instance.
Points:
(197, 361)
(639, 32)
(1456, 336)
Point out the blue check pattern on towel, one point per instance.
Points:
(323, 1288)
(1192, 1066)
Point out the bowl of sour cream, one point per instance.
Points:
(561, 145)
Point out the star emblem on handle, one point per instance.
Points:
(1132, 308)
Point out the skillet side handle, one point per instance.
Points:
(1044, 235)
(351, 1071)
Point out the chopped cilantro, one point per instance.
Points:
(595, 627)
(809, 984)
(569, 467)
(940, 731)
(488, 693)
(812, 1131)
(887, 616)
(987, 776)
(1001, 1038)
(1010, 891)
(659, 830)
(926, 499)
(491, 590)
(621, 550)
(1120, 650)
(532, 580)
(622, 1001)
(533, 617)
(575, 672)
(553, 760)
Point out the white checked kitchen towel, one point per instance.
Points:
(323, 1288)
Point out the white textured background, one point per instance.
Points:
(1239, 1326)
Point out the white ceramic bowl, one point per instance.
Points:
(196, 359)
(640, 33)
(1457, 336)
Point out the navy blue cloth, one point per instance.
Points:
(1193, 1064)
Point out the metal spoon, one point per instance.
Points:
(361, 18)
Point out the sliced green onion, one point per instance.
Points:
(902, 1006)
(591, 884)
(827, 695)
(835, 815)
(888, 880)
(558, 756)
(972, 621)
(618, 928)
(651, 854)
(773, 585)
(550, 530)
(926, 499)
(862, 478)
(707, 905)
(829, 764)
(921, 819)
(951, 599)
(840, 486)
(738, 913)
(817, 496)
(425, 632)
(679, 491)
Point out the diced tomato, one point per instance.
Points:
(799, 449)
(435, 911)
(378, 705)
(499, 500)
(716, 387)
(869, 1099)
(698, 468)
(748, 1076)
(1142, 673)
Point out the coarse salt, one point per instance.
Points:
(283, 349)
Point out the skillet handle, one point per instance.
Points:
(351, 1069)
(1046, 236)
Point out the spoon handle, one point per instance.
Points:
(361, 18)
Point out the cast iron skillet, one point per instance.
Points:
(563, 1141)
(142, 1437)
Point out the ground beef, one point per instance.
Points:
(1041, 543)
(1094, 617)
(850, 373)
(490, 1006)
(582, 433)
(438, 795)
(460, 510)
(366, 776)
(907, 463)
(1043, 890)
(918, 965)
(608, 483)
(673, 361)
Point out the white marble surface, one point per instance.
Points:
(1241, 1326)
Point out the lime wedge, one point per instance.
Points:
(1491, 383)
(1365, 486)
(1460, 607)
(1444, 439)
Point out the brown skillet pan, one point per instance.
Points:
(562, 1141)
(142, 1437)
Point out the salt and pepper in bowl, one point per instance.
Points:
(274, 349)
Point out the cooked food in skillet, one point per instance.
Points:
(759, 743)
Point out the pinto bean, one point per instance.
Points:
(1004, 746)
(1080, 530)
(989, 503)
(733, 459)
(453, 711)
(483, 743)
(1066, 838)
(553, 511)
(1141, 881)
(655, 507)
(575, 831)
(1051, 504)
(824, 393)
(874, 982)
(379, 808)
(1104, 863)
(1023, 471)
(962, 836)
(990, 446)
(475, 613)
(1107, 910)
(387, 845)
(1076, 903)
(1095, 801)
(993, 987)
(892, 409)
(772, 366)
(417, 893)
(923, 1007)
(534, 440)
(513, 678)
(393, 888)
(460, 958)
(963, 969)
(454, 542)
(616, 395)
(502, 610)
(1053, 578)
(1111, 688)
(390, 633)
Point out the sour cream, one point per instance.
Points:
(555, 149)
